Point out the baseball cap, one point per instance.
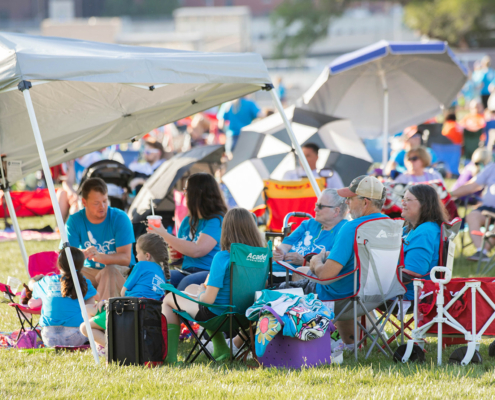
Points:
(364, 186)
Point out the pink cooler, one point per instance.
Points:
(287, 352)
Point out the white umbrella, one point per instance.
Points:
(264, 151)
(385, 87)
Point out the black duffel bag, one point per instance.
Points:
(136, 331)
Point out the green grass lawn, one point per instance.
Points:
(69, 375)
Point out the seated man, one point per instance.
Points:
(485, 179)
(310, 151)
(314, 235)
(106, 236)
(365, 196)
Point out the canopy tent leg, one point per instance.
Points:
(24, 87)
(385, 119)
(295, 143)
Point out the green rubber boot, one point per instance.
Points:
(173, 333)
(220, 349)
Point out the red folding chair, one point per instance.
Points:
(40, 263)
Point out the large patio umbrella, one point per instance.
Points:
(264, 151)
(385, 87)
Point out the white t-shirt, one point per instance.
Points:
(487, 179)
(333, 182)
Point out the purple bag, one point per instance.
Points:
(27, 340)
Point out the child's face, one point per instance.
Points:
(142, 256)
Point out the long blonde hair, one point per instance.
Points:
(239, 227)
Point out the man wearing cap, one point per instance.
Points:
(365, 196)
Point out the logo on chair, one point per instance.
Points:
(256, 258)
(382, 234)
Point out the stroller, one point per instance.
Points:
(117, 177)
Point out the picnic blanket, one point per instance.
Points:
(6, 236)
(8, 340)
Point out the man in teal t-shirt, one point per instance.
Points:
(106, 236)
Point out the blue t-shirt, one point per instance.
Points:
(421, 252)
(58, 310)
(309, 237)
(401, 156)
(115, 231)
(211, 227)
(145, 280)
(220, 278)
(343, 253)
(240, 115)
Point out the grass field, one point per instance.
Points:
(64, 375)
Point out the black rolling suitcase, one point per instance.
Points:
(136, 331)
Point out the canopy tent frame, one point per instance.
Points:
(25, 86)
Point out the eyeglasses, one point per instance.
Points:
(184, 190)
(404, 200)
(412, 159)
(320, 206)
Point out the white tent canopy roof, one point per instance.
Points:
(98, 94)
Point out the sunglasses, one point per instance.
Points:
(320, 206)
(412, 159)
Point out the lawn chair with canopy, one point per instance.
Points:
(77, 97)
(378, 257)
(248, 273)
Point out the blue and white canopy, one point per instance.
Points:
(421, 78)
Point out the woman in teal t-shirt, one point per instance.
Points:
(238, 227)
(424, 214)
(199, 234)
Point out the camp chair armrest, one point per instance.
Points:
(488, 214)
(312, 278)
(170, 288)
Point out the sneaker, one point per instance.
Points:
(479, 254)
(101, 350)
(342, 347)
(209, 346)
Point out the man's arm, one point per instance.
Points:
(121, 257)
(325, 270)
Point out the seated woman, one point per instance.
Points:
(416, 161)
(143, 281)
(238, 227)
(314, 235)
(61, 314)
(424, 214)
(198, 238)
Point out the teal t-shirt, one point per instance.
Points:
(145, 280)
(309, 237)
(58, 310)
(421, 252)
(220, 278)
(211, 227)
(343, 253)
(115, 231)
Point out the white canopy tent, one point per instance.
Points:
(76, 97)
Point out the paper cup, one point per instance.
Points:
(154, 220)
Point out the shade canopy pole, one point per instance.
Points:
(13, 216)
(24, 87)
(295, 143)
(385, 119)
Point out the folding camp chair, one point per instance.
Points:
(282, 197)
(248, 273)
(487, 234)
(448, 233)
(376, 277)
(40, 263)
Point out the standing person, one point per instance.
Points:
(106, 236)
(234, 116)
(310, 151)
(61, 314)
(144, 281)
(483, 78)
(239, 227)
(417, 160)
(199, 234)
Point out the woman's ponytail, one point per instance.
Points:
(67, 285)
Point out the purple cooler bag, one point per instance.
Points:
(288, 352)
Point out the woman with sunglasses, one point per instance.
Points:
(417, 160)
(314, 235)
(199, 234)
